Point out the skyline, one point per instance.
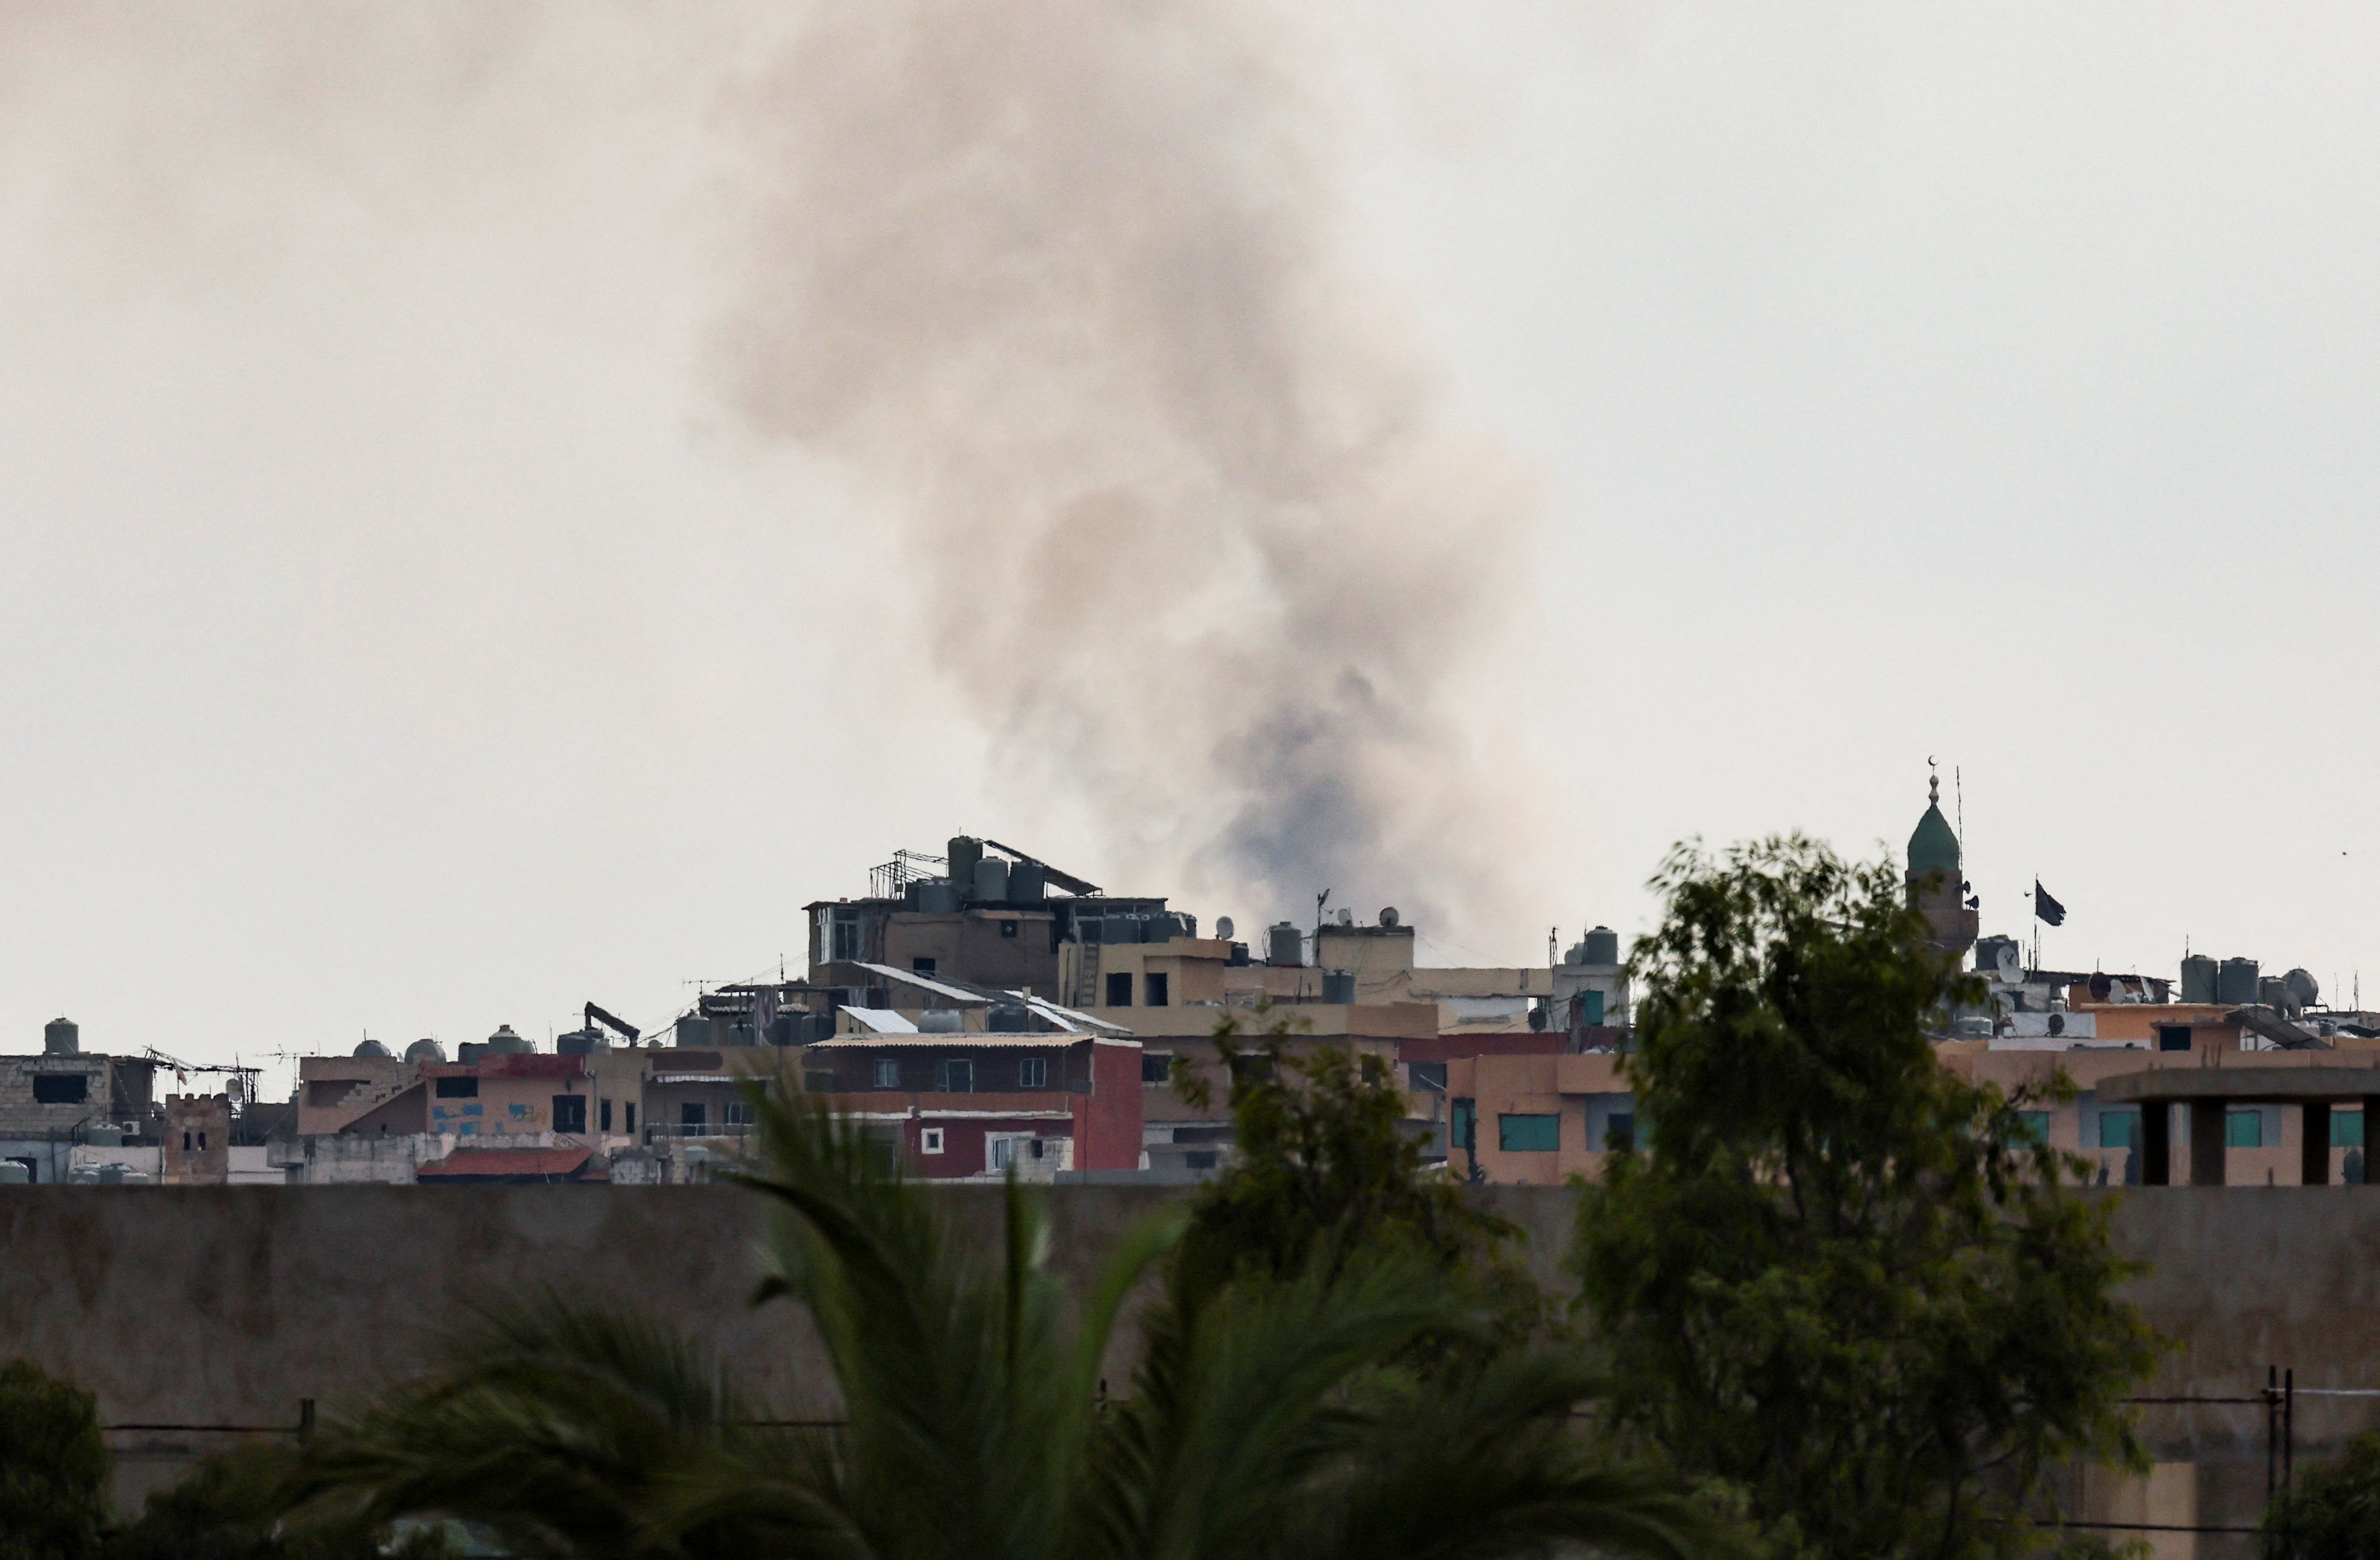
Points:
(404, 632)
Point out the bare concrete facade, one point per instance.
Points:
(228, 1305)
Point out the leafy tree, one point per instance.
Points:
(2333, 1513)
(53, 1468)
(1263, 1420)
(234, 1507)
(1325, 1169)
(1844, 1283)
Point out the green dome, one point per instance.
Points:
(1933, 848)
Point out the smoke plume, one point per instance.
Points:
(1059, 283)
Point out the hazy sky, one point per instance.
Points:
(404, 630)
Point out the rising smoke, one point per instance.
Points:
(1058, 282)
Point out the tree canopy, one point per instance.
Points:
(53, 1467)
(1841, 1282)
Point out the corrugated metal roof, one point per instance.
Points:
(924, 983)
(883, 1021)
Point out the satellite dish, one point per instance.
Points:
(1388, 916)
(1223, 927)
(2008, 961)
(1346, 916)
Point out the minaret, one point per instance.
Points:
(1937, 889)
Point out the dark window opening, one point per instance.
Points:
(1430, 1075)
(888, 1074)
(632, 1118)
(692, 1115)
(1620, 1134)
(1156, 990)
(186, 1143)
(61, 1088)
(1033, 1073)
(607, 1116)
(459, 1088)
(958, 1077)
(202, 1143)
(1252, 1069)
(1202, 1160)
(844, 943)
(921, 966)
(1155, 1066)
(2173, 1036)
(570, 1113)
(1120, 989)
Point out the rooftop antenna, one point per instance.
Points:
(1959, 794)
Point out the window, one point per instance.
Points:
(1155, 1066)
(1620, 1133)
(1007, 929)
(1033, 1073)
(202, 1143)
(459, 1088)
(2119, 1129)
(60, 1088)
(692, 1114)
(2036, 1127)
(957, 1076)
(2346, 1129)
(631, 1123)
(844, 935)
(1591, 1005)
(1202, 1159)
(1528, 1135)
(186, 1143)
(607, 1116)
(1120, 989)
(887, 1073)
(1466, 1123)
(2244, 1128)
(1430, 1075)
(737, 1113)
(929, 1140)
(570, 1113)
(2173, 1036)
(921, 966)
(1157, 993)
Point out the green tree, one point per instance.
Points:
(235, 1506)
(2333, 1513)
(1264, 1418)
(53, 1468)
(1843, 1283)
(1325, 1168)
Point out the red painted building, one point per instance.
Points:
(979, 1103)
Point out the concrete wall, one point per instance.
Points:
(227, 1305)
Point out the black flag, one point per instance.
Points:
(2048, 909)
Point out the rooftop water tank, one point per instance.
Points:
(693, 1031)
(425, 1050)
(107, 1137)
(940, 1021)
(2304, 988)
(741, 1034)
(506, 1043)
(964, 855)
(1026, 884)
(471, 1051)
(60, 1037)
(577, 1043)
(1602, 945)
(2274, 993)
(2198, 978)
(991, 879)
(2235, 982)
(375, 1050)
(1008, 1018)
(1338, 986)
(14, 1173)
(1284, 946)
(937, 896)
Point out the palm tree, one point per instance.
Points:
(1267, 1417)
